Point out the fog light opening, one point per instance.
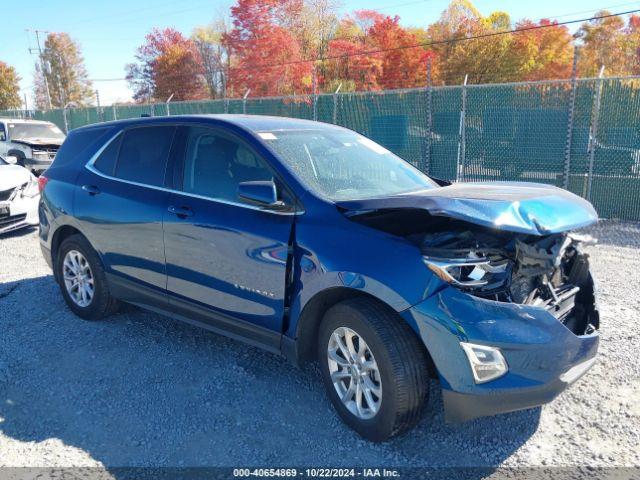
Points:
(487, 363)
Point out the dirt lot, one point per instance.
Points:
(143, 390)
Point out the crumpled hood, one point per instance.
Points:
(39, 142)
(12, 176)
(530, 208)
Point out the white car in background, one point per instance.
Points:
(19, 196)
(34, 143)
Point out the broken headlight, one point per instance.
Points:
(471, 272)
(29, 189)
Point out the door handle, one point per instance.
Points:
(91, 189)
(181, 212)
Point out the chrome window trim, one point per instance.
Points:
(89, 166)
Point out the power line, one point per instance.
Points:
(447, 41)
(570, 14)
(422, 44)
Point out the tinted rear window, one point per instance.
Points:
(143, 154)
(77, 146)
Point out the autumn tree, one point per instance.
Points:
(605, 41)
(402, 67)
(215, 56)
(601, 43)
(9, 87)
(631, 45)
(540, 53)
(167, 64)
(65, 74)
(266, 56)
(350, 68)
(315, 26)
(483, 58)
(459, 20)
(372, 51)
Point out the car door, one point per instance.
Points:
(226, 260)
(120, 203)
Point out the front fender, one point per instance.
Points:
(332, 251)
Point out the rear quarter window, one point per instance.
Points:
(79, 146)
(106, 162)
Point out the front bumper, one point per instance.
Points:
(460, 407)
(544, 357)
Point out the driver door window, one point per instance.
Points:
(216, 163)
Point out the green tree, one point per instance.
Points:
(65, 73)
(9, 87)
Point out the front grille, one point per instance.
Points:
(49, 152)
(5, 194)
(7, 221)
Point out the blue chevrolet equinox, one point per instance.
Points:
(316, 243)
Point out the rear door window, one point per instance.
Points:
(143, 154)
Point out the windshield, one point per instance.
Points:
(344, 165)
(24, 131)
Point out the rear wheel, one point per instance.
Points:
(82, 279)
(373, 367)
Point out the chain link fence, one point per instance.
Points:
(582, 135)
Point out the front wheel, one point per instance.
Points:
(82, 279)
(374, 368)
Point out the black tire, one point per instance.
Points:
(102, 304)
(401, 360)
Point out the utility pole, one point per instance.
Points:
(43, 66)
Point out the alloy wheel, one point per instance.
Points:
(354, 373)
(78, 278)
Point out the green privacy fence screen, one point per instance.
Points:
(583, 135)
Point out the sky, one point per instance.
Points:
(109, 31)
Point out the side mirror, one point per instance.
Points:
(11, 159)
(261, 192)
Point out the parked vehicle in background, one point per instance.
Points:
(314, 242)
(19, 197)
(32, 143)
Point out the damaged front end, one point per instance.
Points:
(551, 272)
(508, 242)
(510, 317)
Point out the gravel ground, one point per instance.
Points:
(143, 390)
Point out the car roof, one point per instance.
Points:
(255, 123)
